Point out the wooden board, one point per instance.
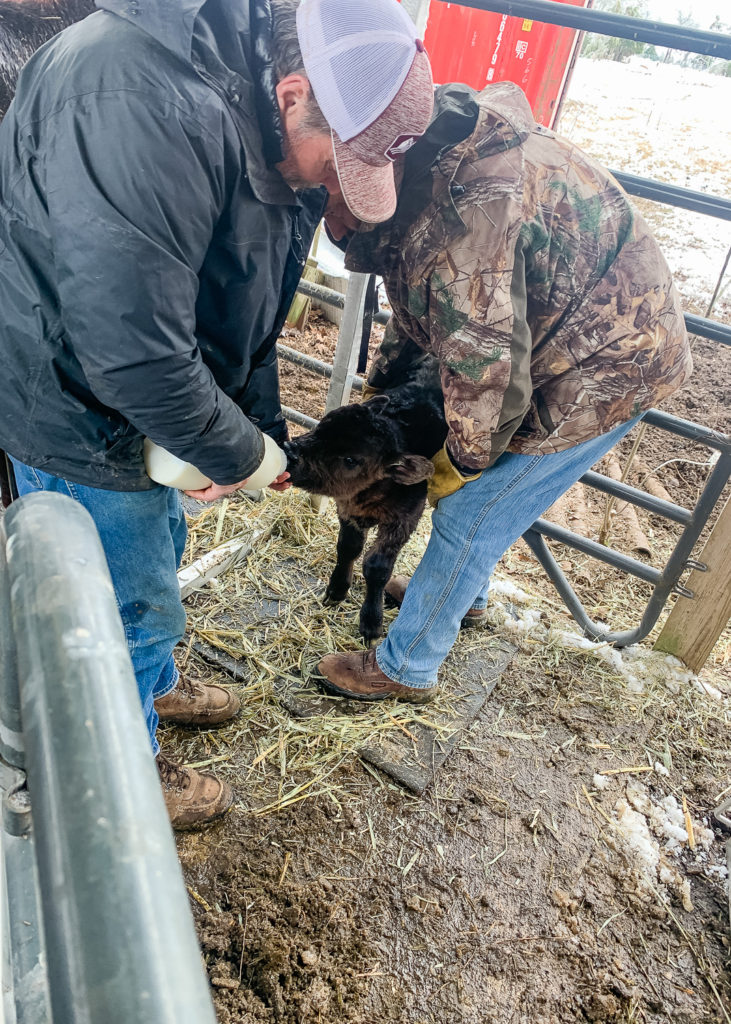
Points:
(695, 624)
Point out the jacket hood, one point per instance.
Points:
(505, 120)
(466, 123)
(170, 22)
(229, 44)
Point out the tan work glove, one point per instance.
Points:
(447, 478)
(369, 392)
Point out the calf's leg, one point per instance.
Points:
(351, 541)
(377, 568)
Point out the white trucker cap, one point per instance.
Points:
(372, 80)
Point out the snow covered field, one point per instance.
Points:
(673, 124)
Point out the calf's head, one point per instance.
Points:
(351, 449)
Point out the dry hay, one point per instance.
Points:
(286, 760)
(265, 740)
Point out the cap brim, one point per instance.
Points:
(369, 192)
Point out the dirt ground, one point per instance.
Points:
(563, 865)
(507, 892)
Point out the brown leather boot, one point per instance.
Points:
(192, 798)
(396, 589)
(196, 703)
(358, 676)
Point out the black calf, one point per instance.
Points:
(374, 460)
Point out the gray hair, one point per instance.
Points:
(288, 60)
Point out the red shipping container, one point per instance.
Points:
(479, 47)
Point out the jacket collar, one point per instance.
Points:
(466, 124)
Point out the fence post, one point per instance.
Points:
(346, 355)
(348, 346)
(117, 924)
(694, 626)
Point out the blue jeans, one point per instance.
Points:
(471, 530)
(143, 534)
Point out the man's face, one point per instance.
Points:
(339, 218)
(308, 160)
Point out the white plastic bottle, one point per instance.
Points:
(165, 468)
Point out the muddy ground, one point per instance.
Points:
(511, 891)
(506, 892)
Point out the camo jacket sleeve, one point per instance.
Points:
(477, 323)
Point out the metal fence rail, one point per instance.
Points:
(676, 37)
(104, 933)
(665, 581)
(674, 195)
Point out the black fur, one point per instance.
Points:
(374, 460)
(24, 27)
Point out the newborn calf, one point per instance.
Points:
(374, 460)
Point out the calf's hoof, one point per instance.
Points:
(371, 629)
(332, 597)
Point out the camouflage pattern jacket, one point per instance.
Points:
(519, 263)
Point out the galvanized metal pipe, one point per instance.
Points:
(11, 729)
(658, 506)
(299, 417)
(711, 329)
(7, 1001)
(28, 952)
(676, 37)
(329, 297)
(674, 195)
(665, 582)
(598, 551)
(688, 429)
(317, 366)
(118, 927)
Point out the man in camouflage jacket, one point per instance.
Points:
(519, 263)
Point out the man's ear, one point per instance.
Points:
(411, 469)
(292, 91)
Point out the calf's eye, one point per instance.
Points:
(349, 462)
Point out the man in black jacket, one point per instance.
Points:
(151, 238)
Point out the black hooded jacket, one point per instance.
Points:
(149, 250)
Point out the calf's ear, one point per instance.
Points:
(411, 469)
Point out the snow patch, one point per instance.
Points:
(640, 667)
(506, 588)
(654, 833)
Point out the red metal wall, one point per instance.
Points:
(478, 47)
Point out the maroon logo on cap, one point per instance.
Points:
(400, 145)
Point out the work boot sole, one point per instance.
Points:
(195, 826)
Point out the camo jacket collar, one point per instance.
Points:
(466, 124)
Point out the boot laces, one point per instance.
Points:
(186, 687)
(369, 659)
(173, 775)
